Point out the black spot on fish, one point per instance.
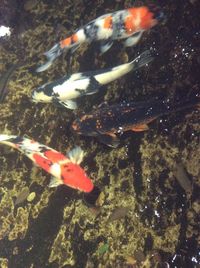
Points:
(56, 95)
(91, 30)
(48, 90)
(81, 91)
(43, 149)
(118, 27)
(17, 140)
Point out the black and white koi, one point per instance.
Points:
(68, 88)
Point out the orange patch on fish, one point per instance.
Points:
(66, 42)
(139, 128)
(74, 38)
(54, 156)
(147, 20)
(72, 174)
(111, 134)
(42, 162)
(141, 18)
(108, 22)
(129, 24)
(85, 117)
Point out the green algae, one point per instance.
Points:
(20, 224)
(4, 263)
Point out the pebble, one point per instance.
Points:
(31, 196)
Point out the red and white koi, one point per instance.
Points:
(128, 24)
(65, 169)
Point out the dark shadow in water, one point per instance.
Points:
(81, 247)
(135, 157)
(36, 246)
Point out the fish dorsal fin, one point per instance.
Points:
(55, 182)
(76, 155)
(139, 128)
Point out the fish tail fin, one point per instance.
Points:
(51, 55)
(70, 44)
(143, 59)
(8, 140)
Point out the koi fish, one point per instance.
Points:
(128, 24)
(107, 121)
(68, 88)
(65, 169)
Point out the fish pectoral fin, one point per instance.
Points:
(76, 155)
(70, 104)
(109, 139)
(55, 182)
(105, 45)
(44, 66)
(139, 128)
(133, 40)
(74, 48)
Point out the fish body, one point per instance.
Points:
(68, 88)
(64, 169)
(106, 121)
(128, 25)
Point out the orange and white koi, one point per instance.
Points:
(65, 169)
(128, 24)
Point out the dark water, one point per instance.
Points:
(174, 74)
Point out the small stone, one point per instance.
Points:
(31, 196)
(22, 196)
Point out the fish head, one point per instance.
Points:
(74, 176)
(43, 93)
(147, 17)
